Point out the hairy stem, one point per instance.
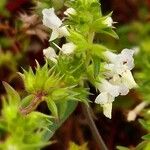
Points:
(33, 105)
(94, 130)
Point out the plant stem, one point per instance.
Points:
(33, 105)
(95, 133)
(87, 109)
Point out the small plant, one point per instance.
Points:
(63, 81)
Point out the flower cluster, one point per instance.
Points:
(59, 30)
(118, 79)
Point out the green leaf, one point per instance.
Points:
(59, 93)
(97, 49)
(141, 145)
(71, 105)
(110, 32)
(96, 65)
(52, 107)
(79, 40)
(13, 96)
(145, 124)
(26, 101)
(146, 137)
(62, 107)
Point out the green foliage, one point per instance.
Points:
(42, 80)
(62, 84)
(79, 40)
(45, 85)
(24, 132)
(73, 69)
(93, 21)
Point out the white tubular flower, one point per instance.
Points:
(121, 65)
(107, 96)
(70, 11)
(53, 22)
(108, 92)
(50, 53)
(68, 48)
(108, 21)
(50, 19)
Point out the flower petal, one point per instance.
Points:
(70, 11)
(63, 31)
(50, 53)
(123, 90)
(50, 19)
(126, 58)
(54, 35)
(108, 21)
(107, 110)
(102, 98)
(128, 80)
(110, 56)
(68, 48)
(106, 86)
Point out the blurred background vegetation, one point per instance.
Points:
(22, 39)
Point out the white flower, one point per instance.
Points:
(105, 100)
(53, 22)
(106, 86)
(121, 65)
(70, 11)
(50, 53)
(119, 79)
(50, 19)
(108, 21)
(110, 89)
(115, 79)
(125, 58)
(68, 48)
(108, 94)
